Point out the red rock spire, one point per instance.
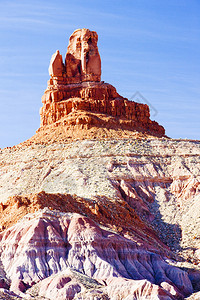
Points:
(83, 62)
(76, 86)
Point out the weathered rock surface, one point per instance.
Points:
(115, 181)
(83, 62)
(76, 86)
(48, 242)
(116, 215)
(195, 296)
(56, 66)
(147, 173)
(93, 206)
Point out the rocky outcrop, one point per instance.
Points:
(118, 215)
(56, 67)
(43, 244)
(83, 62)
(76, 86)
(93, 206)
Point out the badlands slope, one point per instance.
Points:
(145, 191)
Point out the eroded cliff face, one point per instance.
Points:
(75, 93)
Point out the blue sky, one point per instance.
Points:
(150, 46)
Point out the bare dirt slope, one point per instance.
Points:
(142, 189)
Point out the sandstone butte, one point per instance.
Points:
(77, 104)
(99, 203)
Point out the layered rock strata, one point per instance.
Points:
(158, 178)
(76, 86)
(53, 243)
(98, 218)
